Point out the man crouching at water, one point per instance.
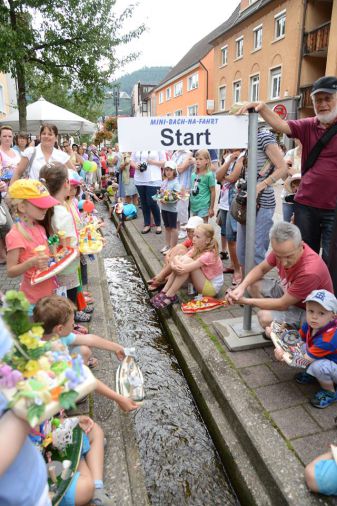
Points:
(300, 270)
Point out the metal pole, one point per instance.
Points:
(251, 206)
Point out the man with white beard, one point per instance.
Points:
(316, 197)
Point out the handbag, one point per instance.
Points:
(3, 217)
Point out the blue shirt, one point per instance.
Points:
(69, 339)
(171, 185)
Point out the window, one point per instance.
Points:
(178, 89)
(224, 55)
(280, 25)
(179, 112)
(222, 98)
(192, 110)
(239, 48)
(193, 82)
(168, 93)
(258, 38)
(161, 97)
(2, 102)
(236, 91)
(275, 82)
(254, 88)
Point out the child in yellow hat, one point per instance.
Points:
(29, 200)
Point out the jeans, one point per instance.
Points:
(264, 222)
(148, 204)
(316, 227)
(287, 211)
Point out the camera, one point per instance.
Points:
(290, 199)
(142, 166)
(195, 189)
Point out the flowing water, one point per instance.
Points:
(180, 462)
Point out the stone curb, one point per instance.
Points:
(261, 466)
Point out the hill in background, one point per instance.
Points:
(146, 75)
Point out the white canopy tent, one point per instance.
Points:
(42, 111)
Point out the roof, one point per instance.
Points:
(205, 45)
(199, 50)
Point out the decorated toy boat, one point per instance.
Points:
(290, 341)
(202, 304)
(170, 196)
(129, 377)
(60, 256)
(38, 378)
(90, 241)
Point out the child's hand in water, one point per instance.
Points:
(119, 352)
(127, 404)
(40, 262)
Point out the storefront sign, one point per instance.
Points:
(182, 132)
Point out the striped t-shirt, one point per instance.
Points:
(264, 138)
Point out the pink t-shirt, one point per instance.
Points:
(211, 264)
(15, 240)
(309, 273)
(318, 187)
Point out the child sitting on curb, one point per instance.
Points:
(56, 315)
(180, 249)
(202, 264)
(320, 336)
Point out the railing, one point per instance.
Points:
(305, 97)
(317, 40)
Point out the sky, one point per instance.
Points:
(172, 28)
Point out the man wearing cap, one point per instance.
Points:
(316, 197)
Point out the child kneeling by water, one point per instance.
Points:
(56, 314)
(202, 265)
(320, 345)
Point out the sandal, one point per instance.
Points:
(89, 309)
(92, 362)
(146, 230)
(155, 285)
(164, 301)
(81, 316)
(81, 329)
(158, 230)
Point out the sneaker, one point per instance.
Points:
(164, 249)
(323, 399)
(303, 378)
(101, 498)
(182, 234)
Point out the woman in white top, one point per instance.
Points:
(148, 180)
(35, 158)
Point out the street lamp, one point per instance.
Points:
(116, 97)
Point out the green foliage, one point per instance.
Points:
(68, 399)
(34, 413)
(71, 41)
(15, 312)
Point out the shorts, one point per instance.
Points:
(326, 476)
(169, 219)
(130, 188)
(212, 286)
(69, 497)
(222, 217)
(202, 213)
(295, 316)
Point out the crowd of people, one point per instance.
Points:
(43, 185)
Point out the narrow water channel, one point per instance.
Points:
(181, 465)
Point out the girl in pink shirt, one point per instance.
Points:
(29, 201)
(202, 265)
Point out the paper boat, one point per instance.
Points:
(54, 269)
(129, 379)
(290, 341)
(202, 304)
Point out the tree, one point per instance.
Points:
(70, 41)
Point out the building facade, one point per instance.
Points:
(7, 95)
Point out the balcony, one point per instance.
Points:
(305, 97)
(316, 42)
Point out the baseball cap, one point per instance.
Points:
(170, 164)
(324, 298)
(193, 222)
(74, 178)
(327, 84)
(33, 191)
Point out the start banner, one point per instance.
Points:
(182, 132)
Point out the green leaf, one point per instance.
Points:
(67, 399)
(34, 413)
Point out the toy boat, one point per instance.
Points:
(129, 378)
(64, 257)
(290, 341)
(90, 241)
(202, 304)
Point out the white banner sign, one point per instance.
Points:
(182, 132)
